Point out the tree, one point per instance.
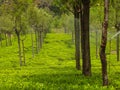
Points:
(74, 6)
(40, 21)
(6, 28)
(17, 9)
(80, 7)
(117, 25)
(103, 43)
(85, 38)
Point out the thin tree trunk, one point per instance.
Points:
(32, 44)
(96, 44)
(9, 39)
(117, 28)
(41, 39)
(85, 42)
(103, 44)
(1, 39)
(72, 36)
(19, 48)
(23, 52)
(117, 45)
(6, 39)
(36, 38)
(77, 39)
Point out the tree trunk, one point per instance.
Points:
(36, 38)
(96, 44)
(23, 52)
(41, 39)
(1, 39)
(77, 39)
(6, 39)
(103, 44)
(19, 47)
(32, 40)
(9, 39)
(117, 41)
(85, 42)
(117, 28)
(72, 36)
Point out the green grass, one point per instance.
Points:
(53, 68)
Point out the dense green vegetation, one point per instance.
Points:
(52, 69)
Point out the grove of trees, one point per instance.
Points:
(36, 18)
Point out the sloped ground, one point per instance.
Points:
(52, 69)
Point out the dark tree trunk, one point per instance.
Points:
(77, 38)
(85, 42)
(103, 44)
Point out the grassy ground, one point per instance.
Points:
(53, 68)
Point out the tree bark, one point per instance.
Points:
(117, 28)
(96, 44)
(85, 42)
(32, 40)
(6, 39)
(36, 38)
(103, 44)
(41, 39)
(1, 39)
(117, 45)
(19, 47)
(77, 38)
(9, 39)
(23, 52)
(72, 36)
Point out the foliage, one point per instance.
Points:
(52, 69)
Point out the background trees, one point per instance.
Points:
(80, 7)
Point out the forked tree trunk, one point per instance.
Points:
(85, 42)
(103, 44)
(77, 38)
